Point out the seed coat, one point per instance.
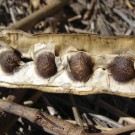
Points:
(46, 66)
(81, 67)
(9, 61)
(122, 69)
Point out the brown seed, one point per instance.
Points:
(46, 66)
(122, 69)
(81, 67)
(9, 61)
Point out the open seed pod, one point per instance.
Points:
(72, 63)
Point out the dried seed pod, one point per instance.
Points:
(122, 69)
(45, 63)
(9, 61)
(81, 67)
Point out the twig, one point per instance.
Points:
(74, 18)
(107, 120)
(29, 21)
(49, 123)
(66, 103)
(124, 17)
(11, 98)
(101, 25)
(129, 4)
(58, 105)
(111, 109)
(8, 122)
(75, 111)
(72, 29)
(36, 96)
(127, 120)
(50, 108)
(11, 119)
(90, 6)
(120, 130)
(12, 15)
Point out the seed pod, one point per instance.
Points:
(45, 63)
(81, 67)
(122, 69)
(9, 61)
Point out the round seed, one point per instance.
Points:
(9, 61)
(46, 66)
(122, 69)
(81, 67)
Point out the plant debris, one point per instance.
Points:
(99, 113)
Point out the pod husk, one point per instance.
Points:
(103, 50)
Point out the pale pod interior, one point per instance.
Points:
(74, 70)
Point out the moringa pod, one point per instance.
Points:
(112, 72)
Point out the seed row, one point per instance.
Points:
(81, 66)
